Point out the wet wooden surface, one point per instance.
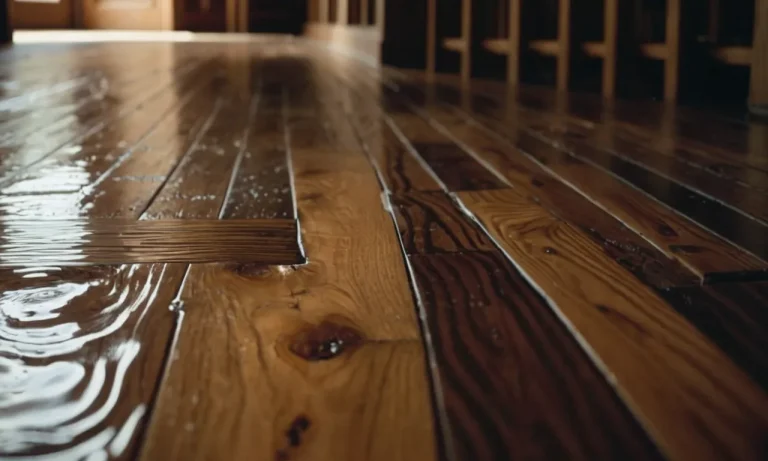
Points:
(265, 250)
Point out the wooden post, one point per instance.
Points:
(431, 39)
(564, 50)
(466, 35)
(672, 62)
(758, 91)
(245, 15)
(610, 59)
(515, 36)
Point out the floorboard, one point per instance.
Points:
(82, 351)
(328, 354)
(259, 248)
(633, 333)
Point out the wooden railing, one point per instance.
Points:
(660, 48)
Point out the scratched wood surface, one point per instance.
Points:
(266, 250)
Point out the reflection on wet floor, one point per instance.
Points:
(68, 337)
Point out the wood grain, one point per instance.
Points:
(198, 186)
(399, 166)
(631, 250)
(659, 362)
(515, 384)
(112, 241)
(457, 170)
(82, 353)
(129, 188)
(733, 315)
(429, 222)
(712, 257)
(262, 183)
(327, 354)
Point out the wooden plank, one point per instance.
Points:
(328, 353)
(713, 259)
(515, 384)
(261, 188)
(702, 251)
(127, 190)
(710, 256)
(733, 315)
(659, 362)
(429, 222)
(114, 241)
(399, 166)
(748, 201)
(199, 184)
(85, 123)
(631, 250)
(735, 330)
(455, 168)
(56, 186)
(82, 354)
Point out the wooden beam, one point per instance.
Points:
(758, 93)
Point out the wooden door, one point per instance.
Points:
(202, 15)
(128, 14)
(41, 14)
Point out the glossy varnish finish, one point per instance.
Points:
(265, 250)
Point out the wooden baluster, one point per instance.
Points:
(466, 35)
(672, 63)
(611, 40)
(513, 55)
(758, 94)
(564, 49)
(431, 38)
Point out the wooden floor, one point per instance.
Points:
(266, 250)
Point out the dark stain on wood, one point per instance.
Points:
(513, 378)
(457, 169)
(325, 341)
(429, 222)
(732, 315)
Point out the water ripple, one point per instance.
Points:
(68, 340)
